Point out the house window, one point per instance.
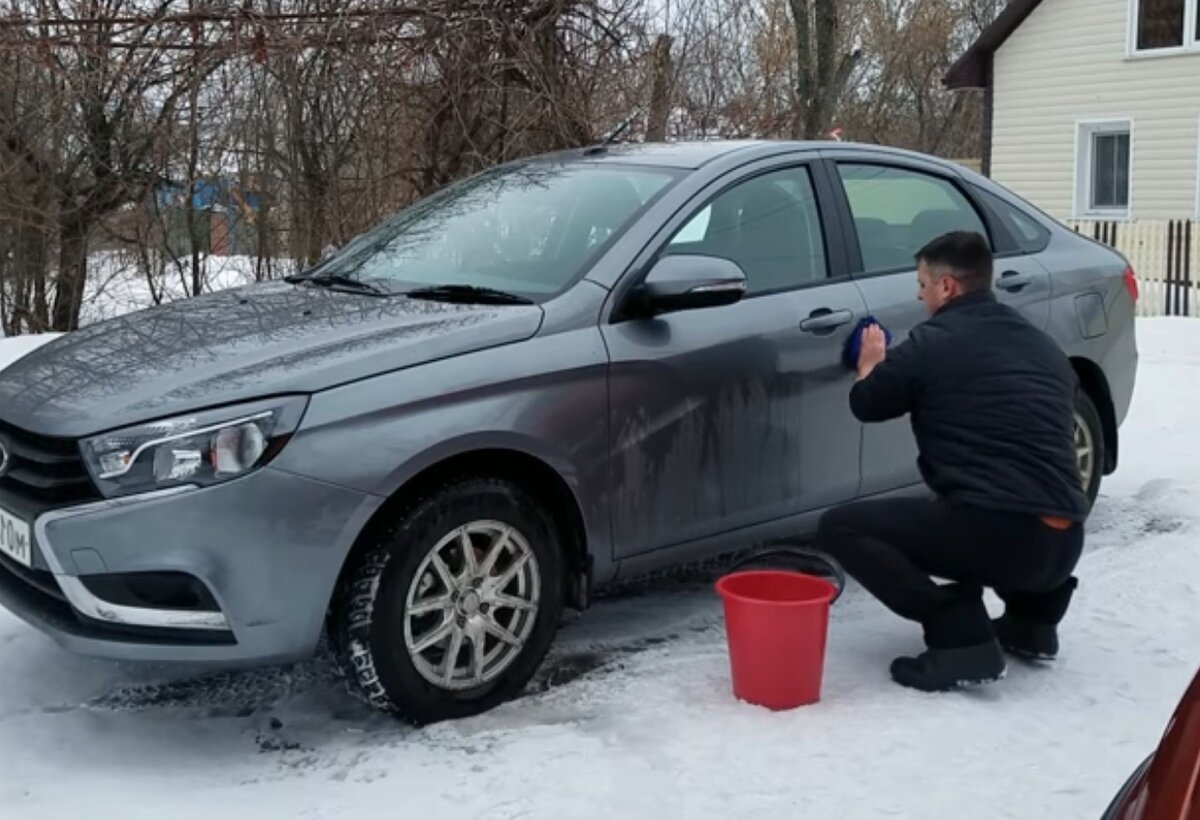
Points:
(1103, 169)
(1165, 25)
(1110, 170)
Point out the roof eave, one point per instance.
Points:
(970, 70)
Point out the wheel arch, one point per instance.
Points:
(532, 473)
(1095, 385)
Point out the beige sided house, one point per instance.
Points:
(1092, 113)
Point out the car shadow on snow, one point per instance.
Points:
(1158, 507)
(627, 619)
(645, 614)
(631, 619)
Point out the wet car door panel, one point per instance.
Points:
(732, 416)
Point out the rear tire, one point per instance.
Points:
(1089, 444)
(427, 630)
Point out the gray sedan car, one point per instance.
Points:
(561, 372)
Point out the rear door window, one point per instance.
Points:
(897, 211)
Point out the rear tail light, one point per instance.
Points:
(1131, 284)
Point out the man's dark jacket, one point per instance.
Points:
(992, 403)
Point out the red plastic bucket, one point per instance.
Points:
(776, 624)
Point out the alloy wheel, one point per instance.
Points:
(1085, 451)
(472, 605)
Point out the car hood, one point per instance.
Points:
(238, 344)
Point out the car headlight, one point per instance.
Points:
(198, 449)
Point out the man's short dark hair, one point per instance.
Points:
(965, 255)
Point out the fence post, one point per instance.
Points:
(1169, 308)
(1186, 256)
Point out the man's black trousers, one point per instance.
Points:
(893, 547)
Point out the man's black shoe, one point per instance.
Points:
(1028, 627)
(940, 670)
(1027, 639)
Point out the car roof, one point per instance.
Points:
(691, 155)
(686, 154)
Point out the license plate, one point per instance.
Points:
(15, 538)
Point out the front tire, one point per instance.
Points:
(452, 611)
(1089, 445)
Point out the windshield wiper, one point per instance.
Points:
(337, 280)
(470, 294)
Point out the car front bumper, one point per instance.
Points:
(267, 548)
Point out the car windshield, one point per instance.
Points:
(528, 230)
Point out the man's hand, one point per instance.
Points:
(873, 350)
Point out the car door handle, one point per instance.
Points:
(824, 320)
(1010, 280)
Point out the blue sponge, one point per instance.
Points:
(854, 343)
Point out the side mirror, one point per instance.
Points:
(683, 282)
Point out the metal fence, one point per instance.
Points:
(1164, 254)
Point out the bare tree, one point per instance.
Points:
(333, 113)
(824, 63)
(91, 118)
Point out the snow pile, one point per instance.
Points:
(647, 727)
(18, 346)
(117, 284)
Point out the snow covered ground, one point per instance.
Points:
(633, 717)
(116, 286)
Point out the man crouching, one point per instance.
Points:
(991, 401)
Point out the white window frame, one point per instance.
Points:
(1198, 170)
(1085, 130)
(1191, 43)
